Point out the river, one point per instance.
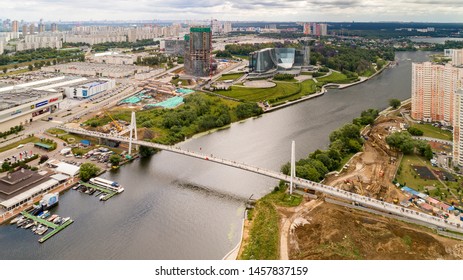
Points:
(176, 207)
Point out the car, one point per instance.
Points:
(20, 146)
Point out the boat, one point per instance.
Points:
(42, 231)
(54, 216)
(107, 184)
(46, 215)
(15, 220)
(97, 193)
(58, 220)
(49, 200)
(75, 187)
(29, 225)
(34, 228)
(102, 196)
(43, 214)
(55, 219)
(25, 223)
(21, 222)
(65, 220)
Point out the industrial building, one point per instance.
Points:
(22, 106)
(198, 47)
(173, 47)
(115, 58)
(96, 69)
(272, 60)
(89, 88)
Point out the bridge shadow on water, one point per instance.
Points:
(209, 192)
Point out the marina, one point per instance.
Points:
(103, 191)
(46, 224)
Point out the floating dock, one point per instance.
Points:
(55, 228)
(108, 195)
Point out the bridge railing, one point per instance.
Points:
(335, 192)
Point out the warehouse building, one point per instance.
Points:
(89, 88)
(96, 69)
(22, 106)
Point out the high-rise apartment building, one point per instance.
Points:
(457, 57)
(24, 30)
(457, 129)
(198, 47)
(54, 27)
(227, 27)
(433, 90)
(15, 26)
(41, 27)
(307, 28)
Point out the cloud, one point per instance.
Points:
(269, 10)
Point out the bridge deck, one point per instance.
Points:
(334, 192)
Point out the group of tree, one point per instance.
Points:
(153, 60)
(13, 130)
(366, 117)
(283, 77)
(41, 54)
(394, 103)
(223, 54)
(343, 141)
(246, 49)
(88, 170)
(350, 57)
(124, 45)
(403, 142)
(10, 166)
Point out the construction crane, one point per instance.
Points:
(116, 124)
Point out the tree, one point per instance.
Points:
(146, 151)
(394, 103)
(88, 170)
(415, 131)
(115, 159)
(43, 159)
(30, 67)
(5, 70)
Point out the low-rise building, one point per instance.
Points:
(89, 88)
(96, 69)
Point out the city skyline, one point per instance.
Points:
(264, 10)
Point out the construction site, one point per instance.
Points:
(371, 172)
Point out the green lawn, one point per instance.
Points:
(283, 91)
(234, 76)
(410, 178)
(15, 144)
(434, 132)
(264, 232)
(336, 77)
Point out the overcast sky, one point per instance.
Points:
(262, 10)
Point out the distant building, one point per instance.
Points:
(278, 59)
(1, 47)
(31, 29)
(458, 129)
(41, 27)
(132, 35)
(15, 26)
(227, 27)
(54, 27)
(307, 28)
(115, 58)
(32, 42)
(457, 57)
(24, 30)
(198, 47)
(173, 47)
(433, 89)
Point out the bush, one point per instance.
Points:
(415, 131)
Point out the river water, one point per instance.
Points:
(175, 207)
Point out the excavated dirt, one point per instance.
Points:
(335, 232)
(370, 173)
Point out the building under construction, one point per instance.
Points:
(198, 47)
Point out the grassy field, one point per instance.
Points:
(408, 176)
(335, 77)
(15, 144)
(264, 232)
(235, 76)
(434, 132)
(283, 91)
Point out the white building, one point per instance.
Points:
(457, 129)
(89, 89)
(457, 57)
(22, 106)
(115, 58)
(32, 42)
(96, 69)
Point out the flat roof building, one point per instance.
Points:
(96, 69)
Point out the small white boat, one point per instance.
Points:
(55, 220)
(15, 220)
(42, 230)
(65, 220)
(102, 196)
(75, 187)
(29, 225)
(54, 216)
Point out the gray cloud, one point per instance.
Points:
(272, 10)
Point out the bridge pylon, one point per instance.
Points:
(133, 132)
(293, 166)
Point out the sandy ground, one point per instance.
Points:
(335, 232)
